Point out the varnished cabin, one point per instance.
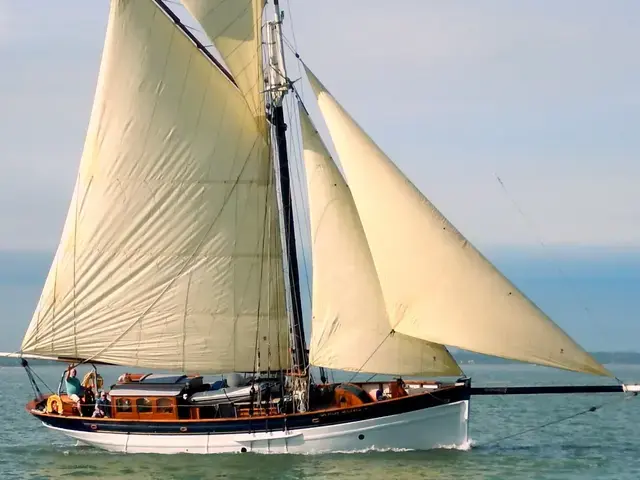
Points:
(181, 397)
(154, 397)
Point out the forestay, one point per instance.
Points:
(436, 285)
(170, 256)
(350, 327)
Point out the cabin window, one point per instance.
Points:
(144, 405)
(164, 405)
(123, 405)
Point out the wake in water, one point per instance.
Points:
(464, 447)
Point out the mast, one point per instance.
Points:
(278, 87)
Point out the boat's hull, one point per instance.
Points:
(439, 426)
(418, 422)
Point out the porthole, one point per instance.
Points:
(361, 437)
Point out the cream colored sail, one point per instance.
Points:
(350, 327)
(170, 256)
(436, 285)
(235, 28)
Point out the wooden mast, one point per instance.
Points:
(279, 87)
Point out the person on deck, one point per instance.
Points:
(74, 388)
(102, 406)
(397, 389)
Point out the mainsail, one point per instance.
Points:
(436, 285)
(235, 28)
(350, 327)
(170, 256)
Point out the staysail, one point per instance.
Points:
(350, 328)
(235, 28)
(436, 285)
(170, 256)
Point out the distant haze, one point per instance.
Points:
(594, 294)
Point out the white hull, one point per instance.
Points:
(434, 427)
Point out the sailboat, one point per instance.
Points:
(179, 254)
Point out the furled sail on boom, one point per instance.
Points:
(170, 256)
(436, 285)
(350, 328)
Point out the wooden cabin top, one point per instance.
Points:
(149, 397)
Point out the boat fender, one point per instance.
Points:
(54, 404)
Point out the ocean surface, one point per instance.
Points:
(604, 444)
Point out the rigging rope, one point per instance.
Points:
(537, 237)
(30, 375)
(372, 354)
(558, 420)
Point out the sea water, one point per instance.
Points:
(604, 444)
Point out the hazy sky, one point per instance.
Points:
(544, 94)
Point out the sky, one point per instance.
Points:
(543, 96)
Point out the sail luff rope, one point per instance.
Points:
(323, 375)
(303, 224)
(302, 211)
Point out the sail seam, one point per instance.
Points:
(170, 283)
(184, 323)
(260, 282)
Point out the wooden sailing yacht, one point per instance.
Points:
(179, 254)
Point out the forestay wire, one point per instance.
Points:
(558, 420)
(538, 237)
